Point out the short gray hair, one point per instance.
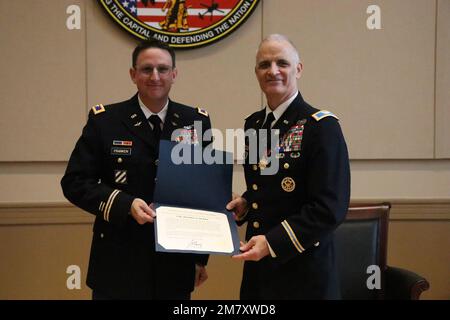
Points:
(280, 37)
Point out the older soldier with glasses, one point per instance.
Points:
(111, 174)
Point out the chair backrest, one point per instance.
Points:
(361, 242)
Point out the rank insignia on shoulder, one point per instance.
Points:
(323, 114)
(202, 111)
(99, 108)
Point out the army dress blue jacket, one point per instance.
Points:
(299, 207)
(115, 161)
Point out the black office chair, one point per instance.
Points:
(361, 241)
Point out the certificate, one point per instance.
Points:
(190, 200)
(193, 230)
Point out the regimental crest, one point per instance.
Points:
(181, 24)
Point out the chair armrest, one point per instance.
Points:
(402, 284)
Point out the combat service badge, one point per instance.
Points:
(183, 24)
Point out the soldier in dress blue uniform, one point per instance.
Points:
(291, 215)
(111, 174)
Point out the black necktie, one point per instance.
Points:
(267, 127)
(155, 120)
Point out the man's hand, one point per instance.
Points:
(254, 250)
(238, 205)
(142, 212)
(200, 274)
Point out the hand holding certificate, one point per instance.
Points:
(190, 202)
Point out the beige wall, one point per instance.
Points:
(372, 79)
(388, 86)
(43, 83)
(443, 80)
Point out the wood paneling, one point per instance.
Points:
(39, 241)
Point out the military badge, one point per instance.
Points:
(122, 143)
(288, 184)
(292, 139)
(120, 176)
(263, 163)
(319, 115)
(188, 135)
(99, 108)
(203, 112)
(180, 23)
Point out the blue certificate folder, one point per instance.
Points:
(194, 186)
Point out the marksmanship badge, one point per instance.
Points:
(180, 23)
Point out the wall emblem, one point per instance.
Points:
(183, 24)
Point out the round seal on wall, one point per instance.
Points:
(183, 24)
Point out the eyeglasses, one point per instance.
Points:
(148, 70)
